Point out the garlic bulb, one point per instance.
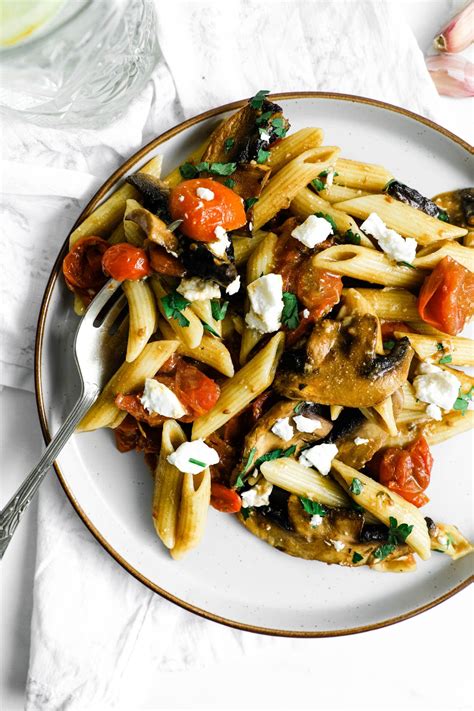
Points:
(453, 76)
(458, 33)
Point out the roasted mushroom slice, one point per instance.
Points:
(155, 194)
(412, 197)
(342, 368)
(199, 261)
(155, 229)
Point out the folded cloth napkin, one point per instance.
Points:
(96, 632)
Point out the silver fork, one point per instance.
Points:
(98, 343)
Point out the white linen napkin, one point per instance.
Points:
(99, 637)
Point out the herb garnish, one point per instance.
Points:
(289, 315)
(297, 408)
(239, 482)
(219, 310)
(439, 347)
(328, 218)
(256, 102)
(445, 359)
(173, 304)
(197, 462)
(262, 156)
(312, 507)
(356, 486)
(398, 533)
(351, 238)
(246, 512)
(263, 118)
(229, 182)
(405, 264)
(206, 327)
(275, 454)
(229, 143)
(443, 216)
(384, 550)
(462, 401)
(279, 128)
(357, 557)
(318, 184)
(388, 345)
(188, 170)
(250, 202)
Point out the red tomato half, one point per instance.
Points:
(224, 499)
(124, 261)
(406, 471)
(318, 290)
(82, 267)
(201, 217)
(447, 296)
(196, 391)
(389, 328)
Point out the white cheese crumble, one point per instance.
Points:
(306, 424)
(219, 247)
(205, 194)
(264, 135)
(159, 399)
(360, 440)
(436, 386)
(305, 313)
(196, 289)
(330, 178)
(316, 520)
(313, 231)
(266, 303)
(258, 495)
(283, 429)
(320, 456)
(443, 540)
(393, 244)
(198, 451)
(338, 545)
(234, 286)
(434, 412)
(181, 198)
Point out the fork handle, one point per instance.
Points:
(11, 514)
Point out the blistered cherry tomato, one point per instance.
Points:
(82, 267)
(196, 391)
(446, 298)
(405, 471)
(124, 261)
(318, 290)
(225, 499)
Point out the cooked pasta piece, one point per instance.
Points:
(428, 257)
(282, 188)
(210, 351)
(460, 349)
(449, 540)
(133, 233)
(404, 564)
(193, 508)
(410, 401)
(168, 485)
(292, 146)
(245, 386)
(406, 220)
(385, 504)
(434, 431)
(366, 176)
(142, 310)
(367, 264)
(338, 193)
(468, 240)
(386, 415)
(203, 310)
(354, 302)
(118, 235)
(128, 378)
(244, 246)
(335, 411)
(391, 304)
(191, 334)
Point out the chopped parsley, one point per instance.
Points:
(229, 182)
(318, 184)
(405, 264)
(297, 408)
(223, 168)
(188, 170)
(197, 462)
(351, 237)
(206, 327)
(325, 173)
(279, 128)
(239, 482)
(443, 216)
(250, 202)
(275, 454)
(463, 400)
(388, 345)
(312, 507)
(219, 310)
(328, 218)
(262, 156)
(356, 486)
(384, 550)
(229, 143)
(439, 347)
(246, 512)
(445, 359)
(263, 118)
(256, 102)
(357, 557)
(398, 533)
(173, 304)
(289, 315)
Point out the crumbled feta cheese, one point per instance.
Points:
(283, 429)
(393, 244)
(338, 545)
(330, 178)
(205, 194)
(313, 231)
(198, 451)
(316, 520)
(264, 135)
(360, 440)
(436, 386)
(159, 399)
(306, 424)
(305, 313)
(443, 540)
(196, 289)
(219, 247)
(258, 495)
(233, 287)
(181, 198)
(434, 412)
(320, 456)
(266, 303)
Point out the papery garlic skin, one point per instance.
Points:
(458, 33)
(453, 76)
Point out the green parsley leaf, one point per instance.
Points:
(289, 315)
(351, 238)
(443, 216)
(357, 507)
(398, 533)
(173, 304)
(318, 184)
(445, 359)
(250, 202)
(263, 118)
(262, 156)
(202, 167)
(197, 462)
(462, 401)
(229, 182)
(275, 454)
(297, 408)
(239, 481)
(356, 486)
(206, 327)
(256, 102)
(229, 143)
(188, 170)
(279, 127)
(388, 345)
(246, 512)
(384, 550)
(312, 507)
(439, 347)
(219, 310)
(329, 219)
(223, 168)
(357, 557)
(405, 264)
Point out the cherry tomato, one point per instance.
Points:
(82, 267)
(318, 290)
(124, 261)
(225, 499)
(406, 471)
(389, 328)
(163, 262)
(447, 296)
(201, 217)
(196, 391)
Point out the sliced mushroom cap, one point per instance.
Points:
(155, 229)
(199, 261)
(342, 367)
(155, 193)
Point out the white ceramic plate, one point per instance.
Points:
(233, 577)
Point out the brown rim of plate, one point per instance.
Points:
(39, 341)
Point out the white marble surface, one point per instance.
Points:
(431, 639)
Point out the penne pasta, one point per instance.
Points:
(430, 256)
(210, 351)
(404, 564)
(245, 386)
(292, 146)
(449, 540)
(406, 220)
(203, 311)
(285, 185)
(118, 235)
(461, 350)
(191, 335)
(468, 240)
(452, 424)
(391, 304)
(335, 411)
(128, 378)
(338, 193)
(193, 508)
(142, 310)
(386, 415)
(410, 401)
(133, 233)
(385, 504)
(244, 246)
(366, 264)
(366, 176)
(168, 485)
(354, 302)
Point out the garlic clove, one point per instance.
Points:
(453, 76)
(458, 33)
